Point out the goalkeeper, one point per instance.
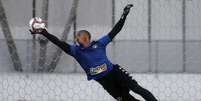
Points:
(93, 59)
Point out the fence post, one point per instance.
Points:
(184, 34)
(149, 36)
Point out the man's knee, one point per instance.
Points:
(128, 98)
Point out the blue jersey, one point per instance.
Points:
(93, 59)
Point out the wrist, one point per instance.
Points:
(44, 31)
(123, 16)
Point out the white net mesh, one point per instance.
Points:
(74, 87)
(150, 44)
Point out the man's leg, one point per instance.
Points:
(135, 87)
(127, 97)
(130, 98)
(111, 89)
(112, 84)
(124, 90)
(147, 95)
(118, 93)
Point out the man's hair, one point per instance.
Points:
(84, 31)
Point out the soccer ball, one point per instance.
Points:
(36, 24)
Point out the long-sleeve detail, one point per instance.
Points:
(61, 44)
(117, 28)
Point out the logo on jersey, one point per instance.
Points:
(98, 69)
(95, 46)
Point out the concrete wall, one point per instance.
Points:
(131, 48)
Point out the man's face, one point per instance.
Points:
(83, 39)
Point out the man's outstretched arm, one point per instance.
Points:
(117, 28)
(61, 44)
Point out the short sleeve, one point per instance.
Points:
(105, 40)
(72, 51)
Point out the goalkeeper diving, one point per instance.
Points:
(91, 55)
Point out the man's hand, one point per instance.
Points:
(37, 25)
(38, 31)
(127, 10)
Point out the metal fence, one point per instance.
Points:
(165, 56)
(160, 43)
(159, 35)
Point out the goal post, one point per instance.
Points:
(159, 46)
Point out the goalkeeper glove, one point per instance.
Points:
(37, 25)
(126, 10)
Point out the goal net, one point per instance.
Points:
(159, 45)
